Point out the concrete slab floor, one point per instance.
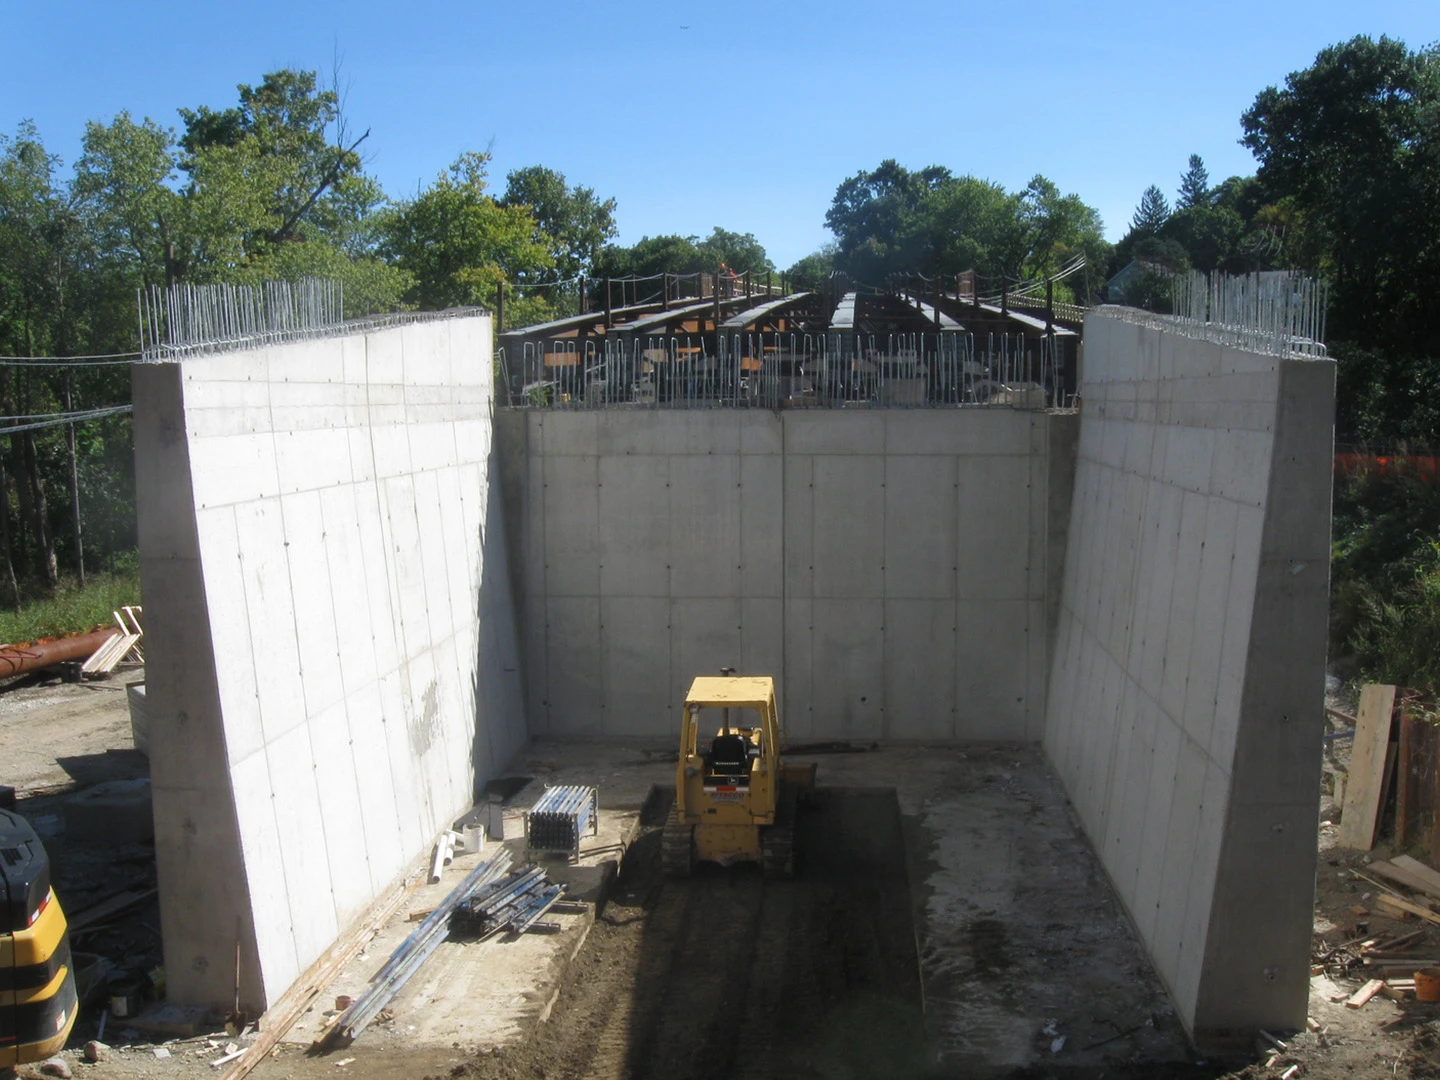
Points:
(1026, 956)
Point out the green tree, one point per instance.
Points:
(1353, 140)
(139, 223)
(572, 222)
(1208, 234)
(282, 129)
(669, 254)
(1151, 214)
(809, 272)
(1059, 227)
(1349, 152)
(739, 252)
(972, 224)
(459, 244)
(1194, 186)
(876, 219)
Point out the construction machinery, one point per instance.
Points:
(37, 979)
(735, 798)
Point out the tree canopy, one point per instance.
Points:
(894, 220)
(569, 221)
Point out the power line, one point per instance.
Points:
(58, 419)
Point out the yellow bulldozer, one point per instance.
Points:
(735, 798)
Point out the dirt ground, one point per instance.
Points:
(729, 974)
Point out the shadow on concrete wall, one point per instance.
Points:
(499, 705)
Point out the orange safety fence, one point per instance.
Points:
(1425, 466)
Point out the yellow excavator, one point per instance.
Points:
(735, 798)
(37, 983)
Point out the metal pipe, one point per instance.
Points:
(33, 656)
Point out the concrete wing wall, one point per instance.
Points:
(333, 657)
(889, 567)
(1185, 701)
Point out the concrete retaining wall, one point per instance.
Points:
(1185, 704)
(333, 662)
(890, 567)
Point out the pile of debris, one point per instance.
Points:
(1389, 965)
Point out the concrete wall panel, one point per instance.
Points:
(333, 664)
(1184, 704)
(826, 548)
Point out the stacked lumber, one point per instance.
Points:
(123, 643)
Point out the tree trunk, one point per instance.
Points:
(74, 489)
(44, 540)
(5, 533)
(39, 511)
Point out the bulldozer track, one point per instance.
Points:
(676, 842)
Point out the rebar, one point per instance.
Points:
(187, 320)
(1277, 313)
(774, 370)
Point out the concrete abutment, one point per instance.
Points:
(367, 587)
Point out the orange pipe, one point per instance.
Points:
(18, 659)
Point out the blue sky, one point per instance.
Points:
(748, 119)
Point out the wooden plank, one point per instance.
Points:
(1389, 906)
(281, 1016)
(1402, 875)
(111, 905)
(1403, 783)
(1387, 783)
(1367, 768)
(1418, 870)
(1410, 906)
(1364, 994)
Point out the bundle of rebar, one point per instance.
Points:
(560, 817)
(513, 903)
(414, 951)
